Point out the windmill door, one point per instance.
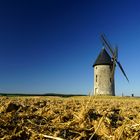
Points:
(96, 90)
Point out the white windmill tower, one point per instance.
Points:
(104, 69)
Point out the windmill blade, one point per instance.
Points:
(113, 69)
(120, 66)
(107, 44)
(115, 56)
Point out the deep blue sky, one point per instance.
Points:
(50, 45)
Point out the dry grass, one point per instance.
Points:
(74, 118)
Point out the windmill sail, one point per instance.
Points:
(114, 53)
(106, 44)
(120, 66)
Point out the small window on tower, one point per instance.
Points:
(110, 80)
(96, 78)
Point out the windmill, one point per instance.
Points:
(104, 69)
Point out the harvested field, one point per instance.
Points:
(74, 118)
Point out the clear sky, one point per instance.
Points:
(51, 45)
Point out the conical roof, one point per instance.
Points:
(103, 58)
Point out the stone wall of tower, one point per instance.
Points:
(103, 83)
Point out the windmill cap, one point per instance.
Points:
(103, 58)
